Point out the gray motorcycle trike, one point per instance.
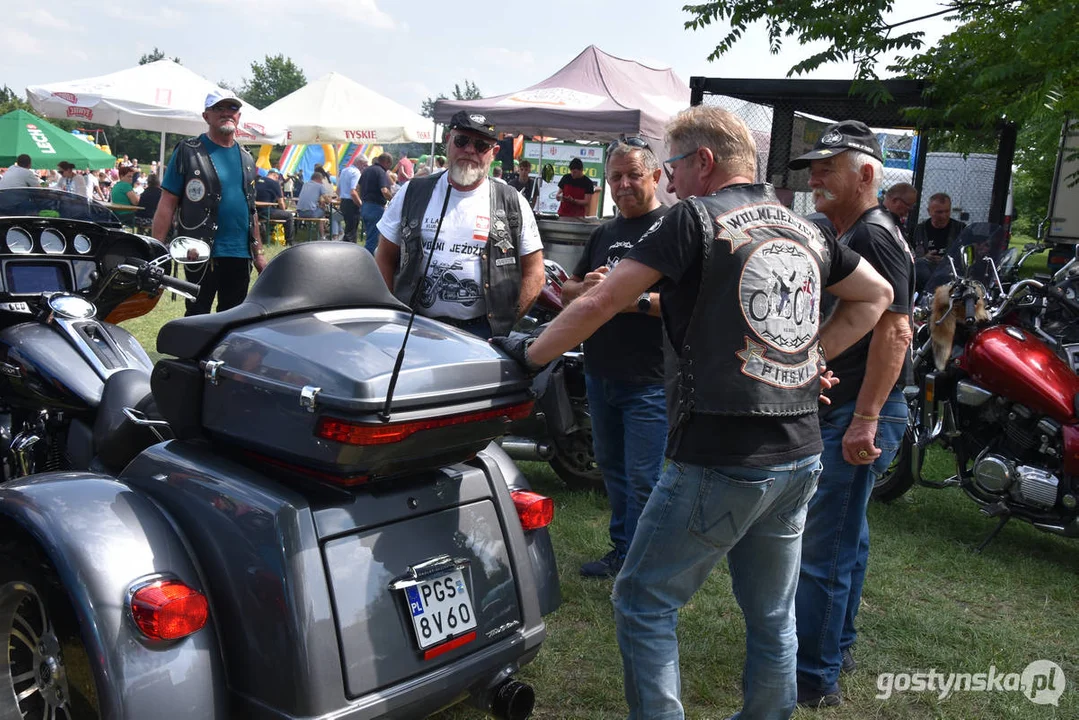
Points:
(284, 517)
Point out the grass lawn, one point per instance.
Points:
(929, 603)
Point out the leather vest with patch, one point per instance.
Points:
(500, 260)
(751, 345)
(200, 195)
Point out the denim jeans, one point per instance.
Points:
(351, 212)
(835, 549)
(629, 434)
(694, 517)
(371, 213)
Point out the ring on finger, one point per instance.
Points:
(863, 454)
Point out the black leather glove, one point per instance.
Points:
(516, 346)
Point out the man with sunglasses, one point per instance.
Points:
(209, 186)
(742, 405)
(624, 358)
(487, 264)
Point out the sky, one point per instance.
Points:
(406, 50)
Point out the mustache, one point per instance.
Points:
(823, 194)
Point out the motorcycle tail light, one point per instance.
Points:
(169, 610)
(930, 390)
(354, 433)
(535, 511)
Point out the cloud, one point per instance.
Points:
(504, 57)
(19, 42)
(43, 18)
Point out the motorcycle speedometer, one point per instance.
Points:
(52, 242)
(72, 307)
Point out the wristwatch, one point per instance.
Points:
(644, 303)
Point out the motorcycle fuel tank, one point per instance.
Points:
(1011, 362)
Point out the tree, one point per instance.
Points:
(469, 92)
(155, 56)
(271, 81)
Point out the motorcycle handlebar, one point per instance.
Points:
(971, 302)
(181, 285)
(1057, 294)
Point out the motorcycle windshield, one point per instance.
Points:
(49, 203)
(986, 241)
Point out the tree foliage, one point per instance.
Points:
(271, 80)
(155, 56)
(469, 92)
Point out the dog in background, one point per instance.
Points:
(946, 315)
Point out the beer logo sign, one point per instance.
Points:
(195, 190)
(780, 295)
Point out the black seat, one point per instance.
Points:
(312, 276)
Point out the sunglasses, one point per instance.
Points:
(669, 170)
(631, 141)
(481, 146)
(226, 108)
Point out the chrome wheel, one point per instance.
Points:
(34, 678)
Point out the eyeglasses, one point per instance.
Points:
(481, 146)
(667, 163)
(631, 141)
(226, 108)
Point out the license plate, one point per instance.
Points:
(440, 608)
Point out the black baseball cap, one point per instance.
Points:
(473, 122)
(840, 137)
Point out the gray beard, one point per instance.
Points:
(226, 129)
(465, 176)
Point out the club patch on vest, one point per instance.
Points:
(195, 190)
(736, 226)
(757, 365)
(779, 292)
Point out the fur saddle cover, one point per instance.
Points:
(943, 333)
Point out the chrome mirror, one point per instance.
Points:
(189, 251)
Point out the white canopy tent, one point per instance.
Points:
(335, 109)
(163, 96)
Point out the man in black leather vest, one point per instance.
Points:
(740, 279)
(209, 187)
(487, 267)
(864, 425)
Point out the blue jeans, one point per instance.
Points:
(629, 434)
(371, 213)
(694, 517)
(835, 549)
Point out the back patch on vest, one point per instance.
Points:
(779, 292)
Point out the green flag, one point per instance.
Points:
(25, 133)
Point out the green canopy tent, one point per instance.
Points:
(22, 132)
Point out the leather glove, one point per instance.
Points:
(516, 346)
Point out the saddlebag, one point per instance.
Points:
(309, 390)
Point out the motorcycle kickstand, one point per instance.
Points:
(1005, 516)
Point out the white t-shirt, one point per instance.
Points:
(20, 177)
(453, 287)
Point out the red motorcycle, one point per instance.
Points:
(994, 389)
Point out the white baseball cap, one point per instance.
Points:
(221, 95)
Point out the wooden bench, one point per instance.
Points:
(308, 229)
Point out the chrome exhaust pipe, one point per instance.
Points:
(521, 448)
(512, 700)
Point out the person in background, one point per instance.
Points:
(623, 359)
(526, 183)
(314, 198)
(405, 170)
(148, 201)
(70, 181)
(104, 187)
(348, 188)
(573, 191)
(933, 236)
(899, 199)
(268, 189)
(209, 189)
(375, 192)
(496, 174)
(20, 174)
(123, 193)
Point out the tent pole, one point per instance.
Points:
(161, 157)
(434, 137)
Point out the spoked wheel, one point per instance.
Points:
(574, 462)
(34, 680)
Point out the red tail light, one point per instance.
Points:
(353, 433)
(445, 647)
(534, 510)
(169, 610)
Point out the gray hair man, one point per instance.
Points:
(739, 279)
(624, 359)
(864, 424)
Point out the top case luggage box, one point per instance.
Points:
(283, 386)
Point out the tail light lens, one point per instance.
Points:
(169, 610)
(353, 433)
(534, 510)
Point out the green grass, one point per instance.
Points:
(929, 602)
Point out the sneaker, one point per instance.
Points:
(813, 699)
(849, 663)
(606, 567)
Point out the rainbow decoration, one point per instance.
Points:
(303, 158)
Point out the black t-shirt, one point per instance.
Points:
(148, 201)
(937, 238)
(629, 346)
(752, 440)
(372, 180)
(529, 188)
(267, 190)
(895, 264)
